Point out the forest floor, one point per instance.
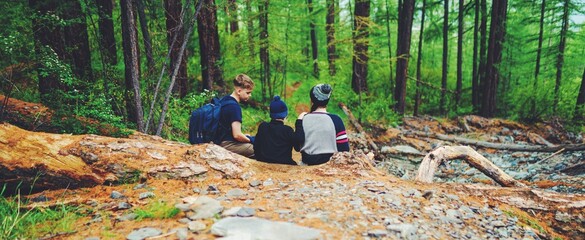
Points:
(339, 200)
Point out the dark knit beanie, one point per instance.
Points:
(320, 94)
(278, 109)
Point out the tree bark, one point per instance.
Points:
(431, 162)
(209, 46)
(497, 35)
(314, 45)
(330, 29)
(475, 75)
(482, 53)
(264, 45)
(145, 35)
(561, 53)
(405, 17)
(176, 31)
(540, 38)
(359, 75)
(417, 96)
(132, 64)
(77, 42)
(460, 25)
(250, 24)
(580, 106)
(445, 68)
(389, 43)
(233, 16)
(106, 29)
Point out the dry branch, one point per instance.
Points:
(501, 146)
(431, 162)
(356, 124)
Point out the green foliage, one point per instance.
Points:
(179, 112)
(17, 223)
(157, 210)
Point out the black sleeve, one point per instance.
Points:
(259, 141)
(299, 136)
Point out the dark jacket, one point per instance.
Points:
(274, 143)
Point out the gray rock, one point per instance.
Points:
(246, 212)
(212, 189)
(184, 207)
(498, 223)
(268, 182)
(143, 233)
(255, 183)
(128, 217)
(196, 226)
(236, 193)
(146, 195)
(92, 238)
(116, 195)
(181, 233)
(257, 228)
(184, 220)
(405, 229)
(124, 205)
(231, 212)
(562, 217)
(205, 207)
(139, 186)
(378, 233)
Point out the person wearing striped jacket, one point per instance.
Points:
(323, 133)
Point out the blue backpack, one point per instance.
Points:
(204, 125)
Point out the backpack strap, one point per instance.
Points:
(221, 128)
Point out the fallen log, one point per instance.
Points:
(431, 162)
(356, 124)
(500, 146)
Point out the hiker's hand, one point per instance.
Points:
(302, 115)
(252, 138)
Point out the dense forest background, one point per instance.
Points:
(147, 64)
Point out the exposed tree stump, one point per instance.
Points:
(431, 162)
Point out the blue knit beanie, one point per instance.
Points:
(278, 109)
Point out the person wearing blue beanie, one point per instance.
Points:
(275, 140)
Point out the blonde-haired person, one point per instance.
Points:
(230, 131)
(322, 133)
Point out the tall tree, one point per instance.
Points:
(106, 29)
(497, 35)
(405, 17)
(76, 40)
(389, 42)
(360, 46)
(481, 70)
(330, 29)
(459, 53)
(132, 64)
(579, 114)
(417, 99)
(474, 75)
(314, 45)
(561, 52)
(540, 40)
(445, 68)
(264, 53)
(233, 16)
(175, 31)
(145, 35)
(250, 25)
(209, 46)
(48, 39)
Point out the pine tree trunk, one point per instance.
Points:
(459, 54)
(209, 46)
(389, 43)
(561, 53)
(132, 63)
(51, 36)
(497, 35)
(233, 16)
(264, 44)
(314, 45)
(580, 106)
(360, 46)
(482, 52)
(250, 24)
(417, 99)
(405, 16)
(106, 29)
(77, 42)
(330, 29)
(145, 35)
(475, 76)
(176, 31)
(445, 68)
(540, 38)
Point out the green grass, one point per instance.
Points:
(20, 223)
(157, 210)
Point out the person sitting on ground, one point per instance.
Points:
(275, 140)
(322, 133)
(231, 136)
